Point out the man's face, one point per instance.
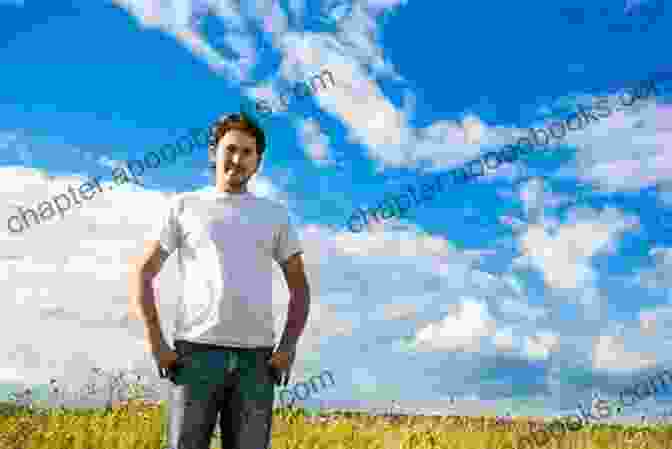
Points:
(237, 160)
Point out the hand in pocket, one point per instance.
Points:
(276, 375)
(175, 371)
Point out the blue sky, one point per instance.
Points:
(541, 282)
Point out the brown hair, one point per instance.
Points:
(241, 122)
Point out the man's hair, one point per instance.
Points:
(241, 122)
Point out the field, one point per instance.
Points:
(142, 426)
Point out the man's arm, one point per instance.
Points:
(142, 303)
(299, 302)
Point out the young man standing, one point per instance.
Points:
(224, 360)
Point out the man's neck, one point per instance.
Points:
(232, 190)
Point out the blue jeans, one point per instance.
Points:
(234, 383)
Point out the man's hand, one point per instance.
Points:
(283, 361)
(166, 359)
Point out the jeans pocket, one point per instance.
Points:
(175, 373)
(172, 374)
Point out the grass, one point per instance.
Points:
(143, 426)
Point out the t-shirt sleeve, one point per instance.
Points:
(287, 241)
(166, 230)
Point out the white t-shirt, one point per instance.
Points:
(225, 244)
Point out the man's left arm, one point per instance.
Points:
(297, 314)
(299, 302)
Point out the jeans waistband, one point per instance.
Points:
(189, 347)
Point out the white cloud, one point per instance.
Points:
(504, 340)
(462, 330)
(473, 129)
(563, 258)
(9, 375)
(315, 142)
(540, 345)
(609, 353)
(398, 311)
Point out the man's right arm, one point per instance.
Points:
(142, 303)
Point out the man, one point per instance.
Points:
(224, 362)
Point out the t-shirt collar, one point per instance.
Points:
(229, 195)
